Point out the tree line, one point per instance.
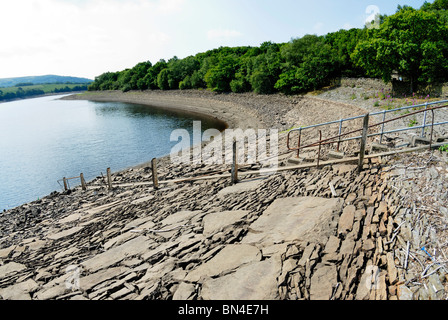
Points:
(412, 43)
(21, 93)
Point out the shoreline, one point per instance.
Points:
(235, 111)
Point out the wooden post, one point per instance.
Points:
(109, 179)
(320, 148)
(65, 183)
(155, 179)
(83, 182)
(362, 150)
(235, 164)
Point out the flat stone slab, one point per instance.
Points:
(10, 268)
(255, 281)
(142, 200)
(322, 283)
(294, 219)
(65, 233)
(179, 217)
(242, 186)
(231, 257)
(19, 291)
(113, 256)
(216, 221)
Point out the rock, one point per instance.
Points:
(230, 258)
(86, 283)
(241, 187)
(19, 291)
(64, 234)
(180, 217)
(346, 220)
(255, 281)
(112, 256)
(184, 291)
(214, 222)
(322, 282)
(10, 268)
(142, 200)
(391, 269)
(335, 155)
(404, 293)
(332, 245)
(368, 245)
(289, 219)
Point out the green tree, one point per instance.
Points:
(412, 43)
(219, 77)
(163, 79)
(310, 63)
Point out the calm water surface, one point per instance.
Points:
(45, 139)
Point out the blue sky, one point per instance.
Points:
(88, 37)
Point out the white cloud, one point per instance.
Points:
(170, 6)
(223, 34)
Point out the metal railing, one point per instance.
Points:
(340, 137)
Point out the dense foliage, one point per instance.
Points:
(30, 90)
(412, 43)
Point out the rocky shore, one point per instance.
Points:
(314, 233)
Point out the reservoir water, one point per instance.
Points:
(45, 139)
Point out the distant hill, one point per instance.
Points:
(47, 79)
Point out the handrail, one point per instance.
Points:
(382, 132)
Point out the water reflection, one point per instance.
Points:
(45, 139)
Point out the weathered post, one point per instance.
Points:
(65, 183)
(235, 164)
(320, 148)
(362, 150)
(109, 179)
(83, 182)
(155, 179)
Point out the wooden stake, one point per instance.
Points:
(65, 183)
(155, 179)
(362, 150)
(83, 182)
(109, 179)
(235, 164)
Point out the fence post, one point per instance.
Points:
(235, 164)
(424, 119)
(340, 132)
(155, 179)
(382, 126)
(363, 142)
(109, 179)
(320, 148)
(65, 183)
(83, 182)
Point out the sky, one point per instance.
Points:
(85, 38)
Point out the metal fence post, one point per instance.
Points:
(363, 142)
(424, 119)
